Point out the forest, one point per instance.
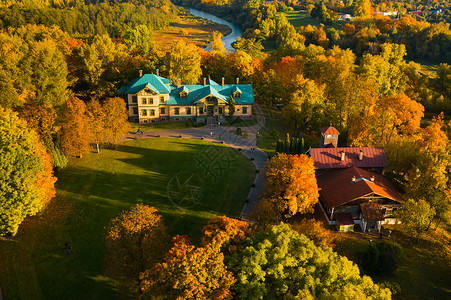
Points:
(62, 63)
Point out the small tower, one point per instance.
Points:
(329, 137)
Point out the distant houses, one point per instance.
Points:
(151, 98)
(353, 189)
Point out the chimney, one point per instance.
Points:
(237, 80)
(361, 155)
(222, 81)
(205, 81)
(353, 179)
(343, 154)
(372, 178)
(140, 73)
(158, 72)
(179, 83)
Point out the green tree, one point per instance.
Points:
(416, 217)
(280, 263)
(140, 39)
(184, 62)
(26, 179)
(231, 107)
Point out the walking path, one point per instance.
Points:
(223, 133)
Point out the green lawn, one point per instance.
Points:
(425, 268)
(165, 125)
(297, 19)
(94, 189)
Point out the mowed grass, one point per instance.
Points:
(298, 19)
(95, 189)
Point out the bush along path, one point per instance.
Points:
(225, 134)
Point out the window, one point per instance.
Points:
(237, 95)
(162, 111)
(150, 101)
(134, 99)
(161, 99)
(152, 112)
(135, 110)
(183, 95)
(188, 110)
(244, 110)
(144, 101)
(220, 110)
(201, 111)
(176, 111)
(143, 112)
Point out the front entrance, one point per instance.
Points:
(210, 110)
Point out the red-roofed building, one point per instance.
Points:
(329, 136)
(352, 186)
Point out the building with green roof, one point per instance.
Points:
(151, 99)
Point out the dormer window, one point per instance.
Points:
(184, 93)
(236, 93)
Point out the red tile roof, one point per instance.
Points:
(337, 187)
(344, 219)
(329, 130)
(330, 158)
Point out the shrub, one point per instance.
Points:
(238, 131)
(158, 135)
(201, 137)
(274, 133)
(180, 136)
(392, 286)
(381, 258)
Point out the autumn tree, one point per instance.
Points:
(43, 119)
(280, 263)
(189, 272)
(140, 39)
(136, 240)
(26, 175)
(96, 122)
(290, 183)
(225, 233)
(216, 44)
(116, 118)
(184, 62)
(305, 104)
(315, 230)
(75, 133)
(416, 217)
(363, 9)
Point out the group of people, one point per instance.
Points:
(139, 130)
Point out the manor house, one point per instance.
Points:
(151, 98)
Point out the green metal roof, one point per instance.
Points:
(195, 92)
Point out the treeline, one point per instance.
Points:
(228, 262)
(78, 19)
(291, 146)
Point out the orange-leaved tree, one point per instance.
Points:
(291, 184)
(136, 240)
(227, 234)
(116, 118)
(189, 272)
(96, 119)
(75, 135)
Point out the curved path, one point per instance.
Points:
(222, 133)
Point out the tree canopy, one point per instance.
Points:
(26, 175)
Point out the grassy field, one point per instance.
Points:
(96, 188)
(424, 270)
(297, 19)
(190, 28)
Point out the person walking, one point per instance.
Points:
(389, 233)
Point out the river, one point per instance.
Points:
(228, 39)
